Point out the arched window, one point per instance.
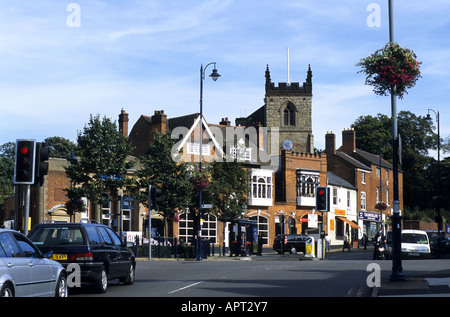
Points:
(263, 227)
(289, 115)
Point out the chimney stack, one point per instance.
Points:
(330, 143)
(348, 141)
(159, 122)
(123, 123)
(225, 122)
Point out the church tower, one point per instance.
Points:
(288, 108)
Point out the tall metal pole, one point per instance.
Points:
(437, 202)
(149, 222)
(397, 269)
(199, 235)
(214, 75)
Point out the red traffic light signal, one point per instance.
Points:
(322, 198)
(25, 162)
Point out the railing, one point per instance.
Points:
(169, 247)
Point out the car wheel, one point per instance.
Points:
(101, 284)
(293, 250)
(61, 286)
(7, 290)
(129, 278)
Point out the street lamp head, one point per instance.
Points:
(214, 75)
(428, 116)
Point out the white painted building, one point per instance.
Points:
(343, 214)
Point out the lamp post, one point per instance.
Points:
(397, 270)
(214, 75)
(438, 200)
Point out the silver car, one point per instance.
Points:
(24, 271)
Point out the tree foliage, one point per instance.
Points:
(160, 170)
(7, 152)
(418, 139)
(229, 188)
(103, 160)
(60, 147)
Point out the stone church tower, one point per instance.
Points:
(287, 108)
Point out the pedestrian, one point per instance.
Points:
(260, 243)
(346, 243)
(328, 243)
(376, 243)
(364, 241)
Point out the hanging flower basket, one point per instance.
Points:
(381, 206)
(200, 181)
(392, 66)
(75, 205)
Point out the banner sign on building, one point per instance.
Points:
(370, 216)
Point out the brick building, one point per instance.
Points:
(370, 175)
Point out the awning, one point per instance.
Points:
(351, 223)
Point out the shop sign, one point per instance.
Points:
(371, 216)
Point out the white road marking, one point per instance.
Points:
(182, 288)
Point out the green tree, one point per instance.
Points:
(161, 170)
(229, 188)
(60, 147)
(103, 161)
(7, 152)
(417, 139)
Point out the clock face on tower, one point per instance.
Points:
(287, 145)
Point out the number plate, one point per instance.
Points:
(59, 257)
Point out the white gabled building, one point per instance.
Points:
(342, 217)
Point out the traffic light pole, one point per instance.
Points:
(27, 210)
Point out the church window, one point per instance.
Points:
(289, 115)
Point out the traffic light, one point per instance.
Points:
(25, 162)
(41, 168)
(322, 198)
(156, 196)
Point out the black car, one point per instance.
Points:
(96, 248)
(292, 243)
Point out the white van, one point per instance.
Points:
(415, 244)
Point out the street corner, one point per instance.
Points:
(406, 287)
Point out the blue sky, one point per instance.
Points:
(146, 55)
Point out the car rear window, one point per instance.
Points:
(414, 238)
(57, 236)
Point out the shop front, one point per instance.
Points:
(372, 222)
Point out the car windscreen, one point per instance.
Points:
(417, 238)
(57, 236)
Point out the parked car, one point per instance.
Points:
(292, 243)
(415, 244)
(96, 248)
(24, 271)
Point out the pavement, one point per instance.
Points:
(417, 284)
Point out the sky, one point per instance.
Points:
(61, 61)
